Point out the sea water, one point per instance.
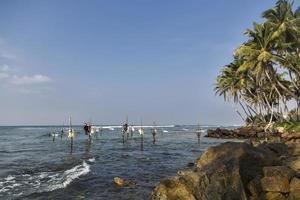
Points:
(34, 166)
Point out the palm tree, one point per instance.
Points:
(265, 72)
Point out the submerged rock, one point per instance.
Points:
(123, 182)
(234, 171)
(119, 181)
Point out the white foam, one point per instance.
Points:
(42, 181)
(70, 175)
(91, 160)
(9, 178)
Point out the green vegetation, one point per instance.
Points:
(295, 126)
(264, 76)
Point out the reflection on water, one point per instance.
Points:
(33, 165)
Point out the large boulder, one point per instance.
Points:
(238, 171)
(223, 172)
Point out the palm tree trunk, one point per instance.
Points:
(248, 117)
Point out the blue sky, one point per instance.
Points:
(102, 60)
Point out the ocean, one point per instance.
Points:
(34, 166)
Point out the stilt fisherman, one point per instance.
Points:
(124, 131)
(154, 131)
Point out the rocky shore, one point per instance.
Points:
(239, 171)
(241, 133)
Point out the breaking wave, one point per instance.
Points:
(17, 185)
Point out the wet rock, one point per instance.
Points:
(191, 164)
(123, 182)
(119, 181)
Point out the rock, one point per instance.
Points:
(242, 133)
(280, 149)
(276, 179)
(295, 185)
(122, 182)
(294, 164)
(237, 171)
(172, 189)
(272, 196)
(275, 184)
(223, 172)
(294, 149)
(282, 171)
(119, 181)
(295, 189)
(254, 187)
(294, 196)
(238, 151)
(290, 135)
(190, 164)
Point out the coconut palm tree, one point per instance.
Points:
(265, 72)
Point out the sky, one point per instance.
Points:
(101, 61)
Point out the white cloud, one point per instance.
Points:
(4, 68)
(29, 80)
(7, 76)
(4, 75)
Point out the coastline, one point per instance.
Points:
(240, 170)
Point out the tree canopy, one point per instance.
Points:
(264, 76)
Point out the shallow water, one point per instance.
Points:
(33, 166)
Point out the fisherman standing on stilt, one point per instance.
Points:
(131, 131)
(198, 133)
(90, 131)
(61, 133)
(87, 129)
(71, 134)
(142, 131)
(124, 131)
(53, 136)
(154, 131)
